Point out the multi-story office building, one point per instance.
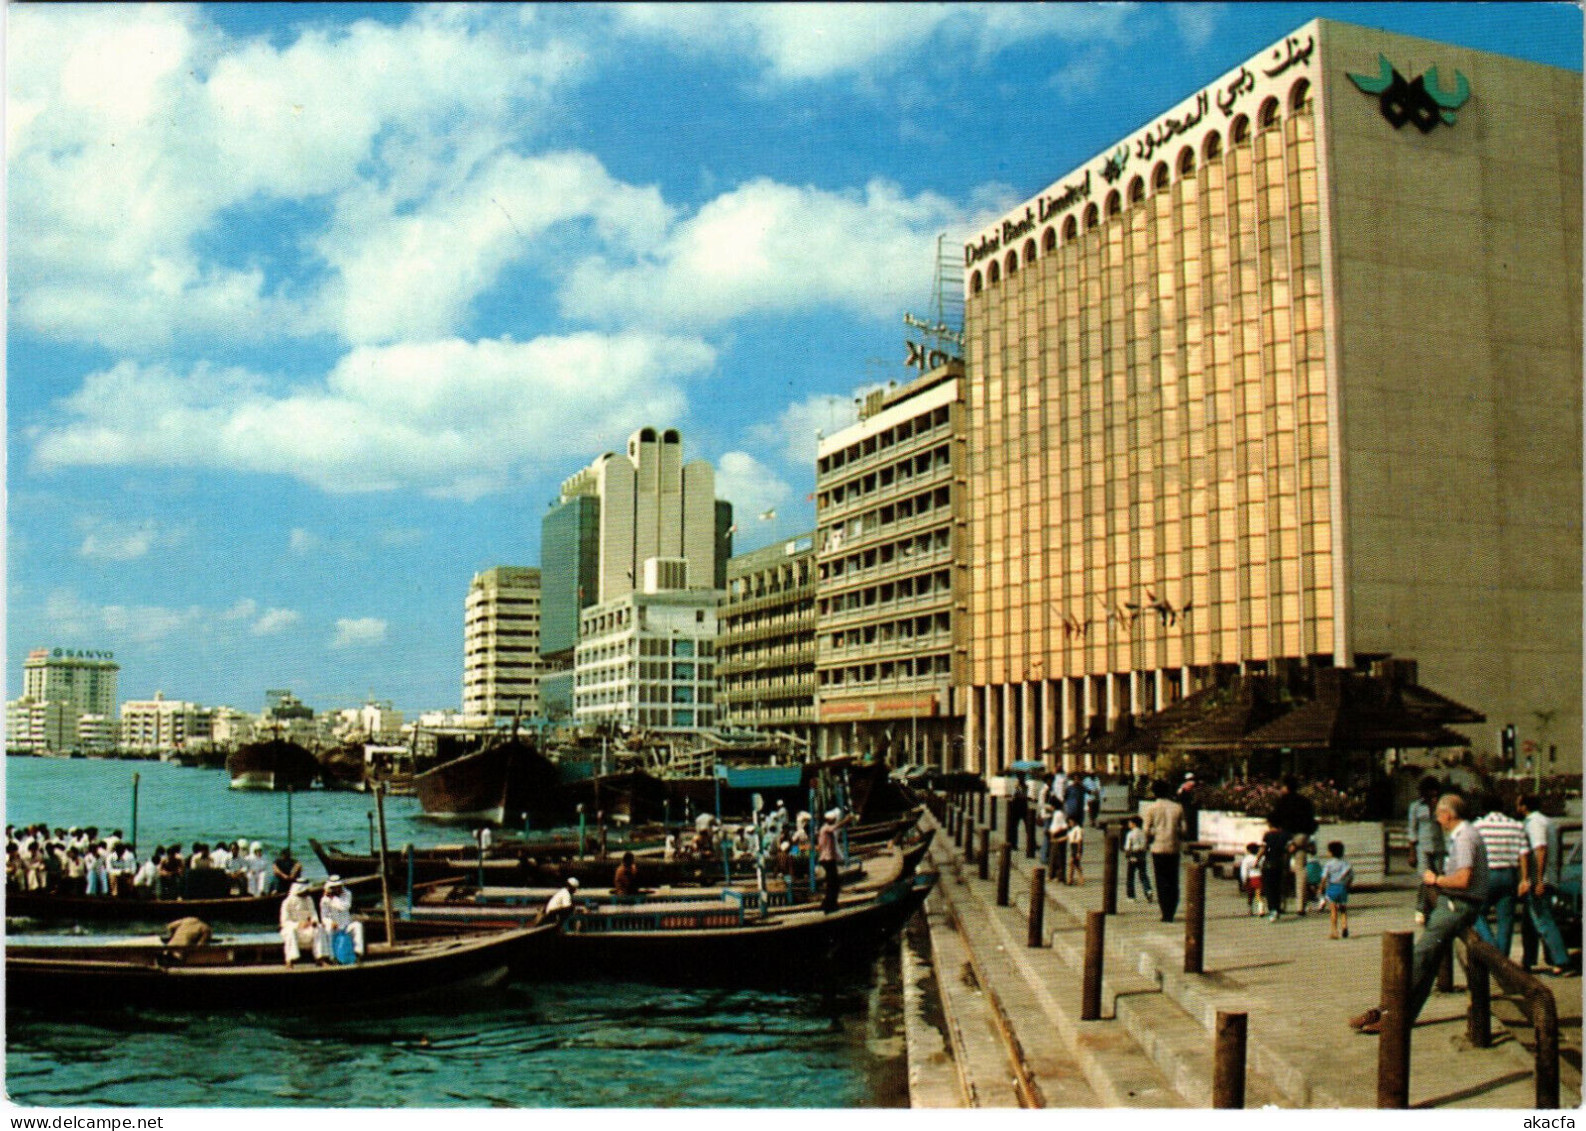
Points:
(164, 725)
(890, 588)
(765, 652)
(646, 523)
(41, 727)
(647, 659)
(1291, 374)
(85, 680)
(501, 643)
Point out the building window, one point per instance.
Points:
(1012, 262)
(1159, 176)
(975, 285)
(1070, 230)
(1239, 132)
(1091, 216)
(1136, 190)
(1300, 96)
(1049, 240)
(1186, 162)
(993, 273)
(1214, 146)
(1113, 203)
(1269, 114)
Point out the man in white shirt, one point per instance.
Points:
(1539, 875)
(563, 899)
(299, 926)
(335, 917)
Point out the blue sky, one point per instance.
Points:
(313, 307)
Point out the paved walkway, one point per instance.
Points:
(1298, 987)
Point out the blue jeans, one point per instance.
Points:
(1446, 923)
(1137, 868)
(1502, 887)
(1538, 921)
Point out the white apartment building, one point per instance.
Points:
(40, 726)
(647, 659)
(164, 724)
(501, 643)
(59, 687)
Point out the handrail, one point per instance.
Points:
(1483, 961)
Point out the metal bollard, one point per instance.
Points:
(1037, 932)
(1195, 920)
(1109, 872)
(1029, 836)
(969, 839)
(1004, 864)
(1478, 1018)
(991, 811)
(1228, 1067)
(1393, 1044)
(980, 807)
(1095, 948)
(983, 858)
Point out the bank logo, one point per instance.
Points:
(1422, 101)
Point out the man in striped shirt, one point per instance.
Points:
(1505, 841)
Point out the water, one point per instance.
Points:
(594, 1044)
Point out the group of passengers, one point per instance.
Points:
(780, 839)
(79, 862)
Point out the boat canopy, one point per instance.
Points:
(760, 777)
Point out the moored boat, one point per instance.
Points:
(252, 975)
(135, 909)
(505, 783)
(275, 764)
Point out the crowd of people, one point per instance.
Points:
(80, 862)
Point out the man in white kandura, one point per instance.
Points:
(335, 915)
(299, 926)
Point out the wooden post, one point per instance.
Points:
(134, 841)
(969, 839)
(1095, 948)
(1109, 872)
(1036, 934)
(983, 857)
(1228, 1069)
(1544, 1023)
(1478, 1018)
(1194, 919)
(1393, 1044)
(980, 807)
(991, 811)
(1004, 865)
(385, 872)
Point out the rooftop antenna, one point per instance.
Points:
(942, 328)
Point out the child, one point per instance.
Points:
(1250, 879)
(1313, 876)
(1076, 851)
(1337, 875)
(1274, 867)
(1134, 853)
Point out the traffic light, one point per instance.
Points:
(1508, 744)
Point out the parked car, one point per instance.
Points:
(1566, 899)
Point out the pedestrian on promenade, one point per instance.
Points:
(1134, 854)
(1076, 855)
(1274, 866)
(1164, 831)
(1295, 815)
(1018, 805)
(1505, 841)
(1057, 831)
(1426, 842)
(1250, 879)
(1541, 872)
(1337, 876)
(1461, 889)
(1192, 810)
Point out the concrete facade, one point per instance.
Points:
(889, 504)
(647, 660)
(765, 653)
(501, 643)
(1274, 380)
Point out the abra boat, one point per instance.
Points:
(275, 764)
(501, 784)
(223, 976)
(136, 909)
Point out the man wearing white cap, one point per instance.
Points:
(829, 854)
(299, 925)
(256, 868)
(563, 899)
(335, 916)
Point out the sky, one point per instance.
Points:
(312, 307)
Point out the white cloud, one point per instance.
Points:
(301, 541)
(358, 632)
(767, 246)
(453, 418)
(275, 620)
(806, 42)
(797, 429)
(133, 131)
(751, 487)
(242, 610)
(113, 541)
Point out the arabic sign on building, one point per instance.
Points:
(1422, 101)
(1274, 72)
(889, 707)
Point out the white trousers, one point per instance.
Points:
(295, 939)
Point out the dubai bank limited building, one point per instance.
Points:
(1290, 375)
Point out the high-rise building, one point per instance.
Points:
(501, 643)
(1289, 375)
(889, 501)
(647, 659)
(639, 522)
(765, 647)
(84, 679)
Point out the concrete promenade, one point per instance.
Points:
(1012, 1011)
